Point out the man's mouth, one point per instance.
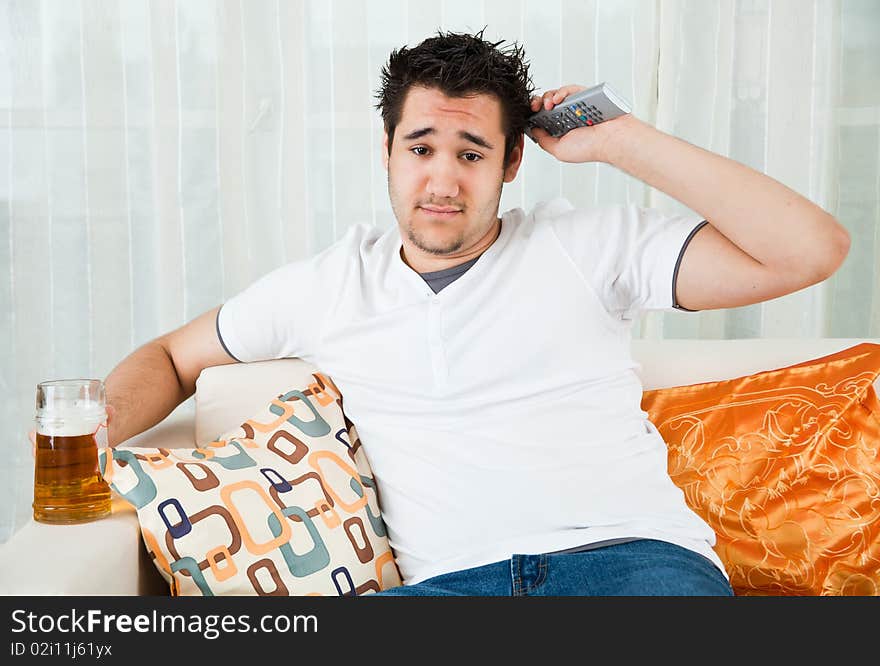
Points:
(442, 212)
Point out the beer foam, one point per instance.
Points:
(69, 423)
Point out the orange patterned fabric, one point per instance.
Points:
(784, 466)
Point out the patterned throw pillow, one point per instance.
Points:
(784, 466)
(285, 504)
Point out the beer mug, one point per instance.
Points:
(68, 486)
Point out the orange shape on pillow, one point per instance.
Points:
(784, 466)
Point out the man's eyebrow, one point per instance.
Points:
(473, 138)
(419, 133)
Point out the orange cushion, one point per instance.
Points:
(784, 466)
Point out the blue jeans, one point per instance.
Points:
(643, 567)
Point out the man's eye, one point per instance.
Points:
(478, 157)
(419, 148)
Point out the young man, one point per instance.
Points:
(485, 360)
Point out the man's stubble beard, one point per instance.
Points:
(487, 212)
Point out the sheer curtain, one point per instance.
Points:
(159, 155)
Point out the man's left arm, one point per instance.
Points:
(763, 240)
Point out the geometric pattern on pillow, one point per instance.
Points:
(784, 465)
(285, 504)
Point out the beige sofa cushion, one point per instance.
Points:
(228, 394)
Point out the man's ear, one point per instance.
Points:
(385, 149)
(516, 156)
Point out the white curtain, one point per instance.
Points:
(156, 156)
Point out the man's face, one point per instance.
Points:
(447, 155)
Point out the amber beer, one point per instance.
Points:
(68, 487)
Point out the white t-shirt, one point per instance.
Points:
(501, 415)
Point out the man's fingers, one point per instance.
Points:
(565, 91)
(553, 97)
(540, 136)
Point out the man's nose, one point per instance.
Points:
(443, 179)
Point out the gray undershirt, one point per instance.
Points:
(437, 280)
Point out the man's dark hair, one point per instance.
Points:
(460, 65)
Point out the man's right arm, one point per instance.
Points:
(148, 384)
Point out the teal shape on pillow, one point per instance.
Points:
(144, 491)
(307, 563)
(189, 565)
(376, 521)
(240, 460)
(315, 428)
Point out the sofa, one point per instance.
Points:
(107, 557)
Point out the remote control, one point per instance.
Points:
(587, 107)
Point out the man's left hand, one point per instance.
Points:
(582, 144)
